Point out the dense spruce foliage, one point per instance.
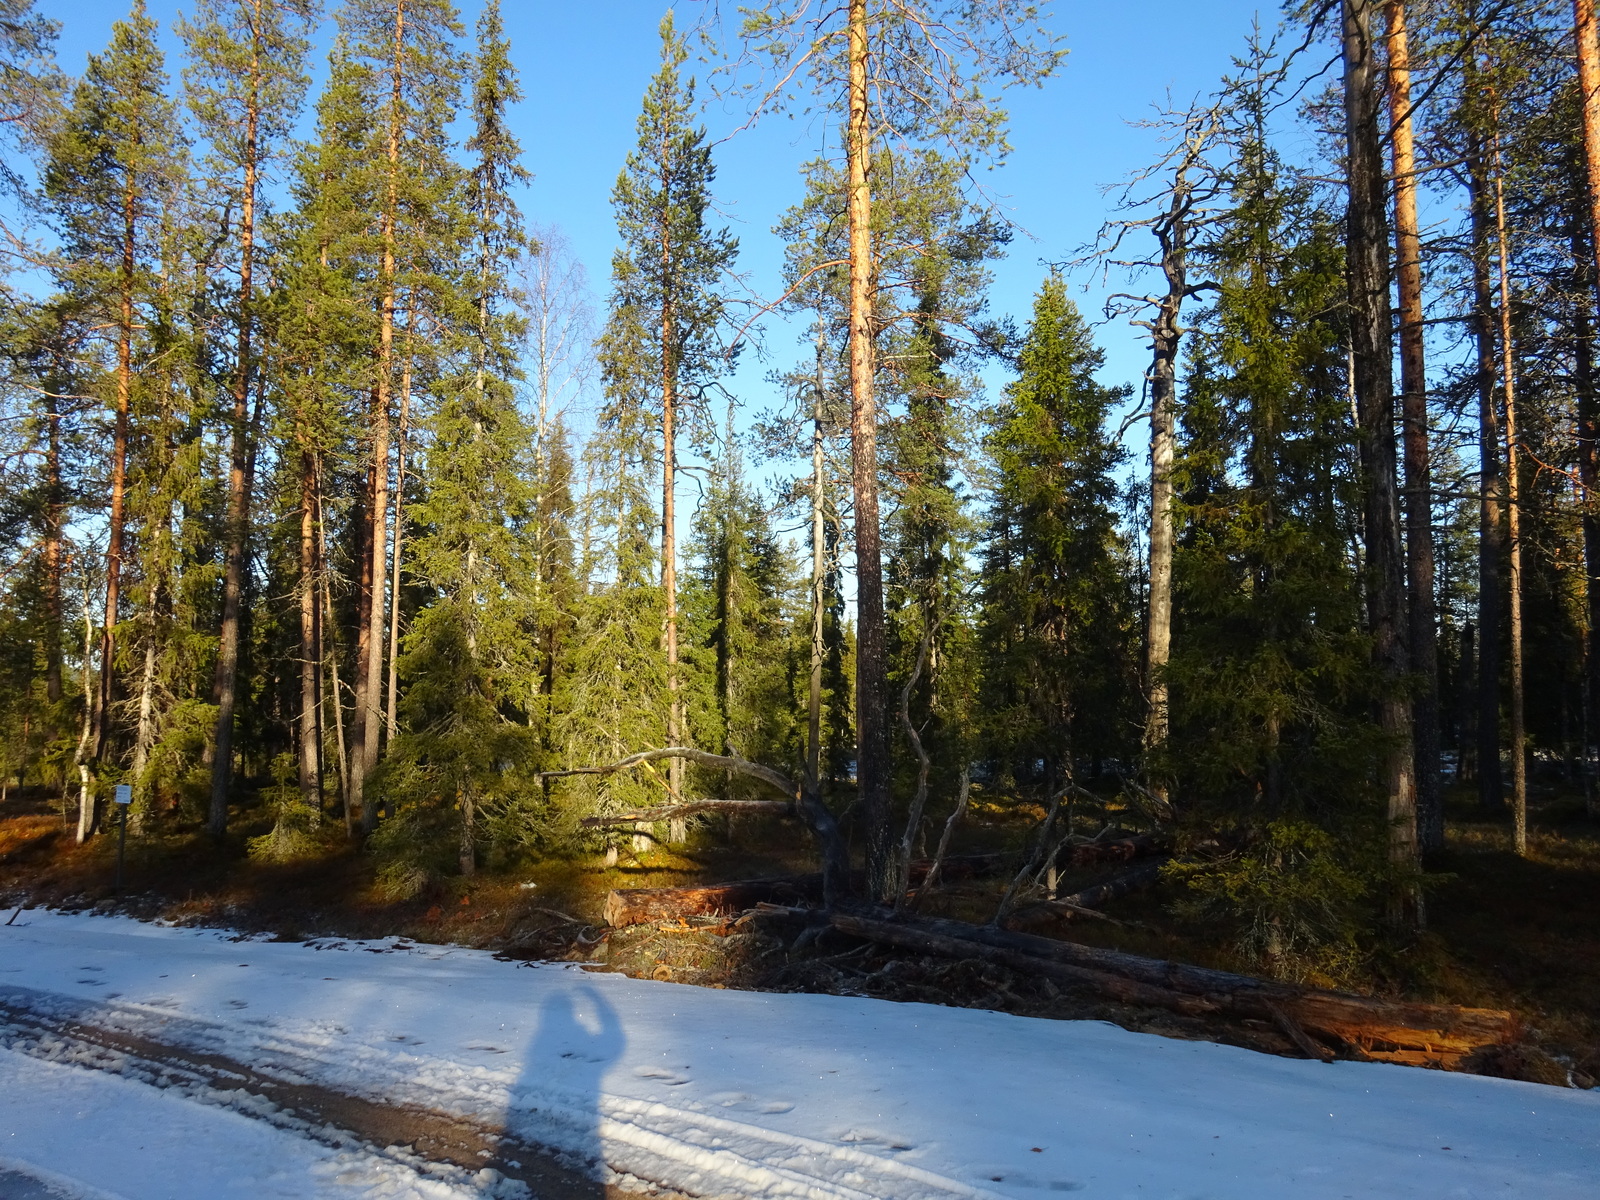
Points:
(302, 534)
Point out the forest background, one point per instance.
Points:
(528, 635)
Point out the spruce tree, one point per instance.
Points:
(469, 658)
(1056, 613)
(662, 345)
(1272, 742)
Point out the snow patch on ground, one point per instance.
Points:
(90, 1136)
(739, 1093)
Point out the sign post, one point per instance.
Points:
(124, 798)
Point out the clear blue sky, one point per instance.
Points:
(584, 67)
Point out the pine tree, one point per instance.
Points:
(410, 83)
(245, 81)
(110, 169)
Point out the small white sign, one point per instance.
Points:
(124, 793)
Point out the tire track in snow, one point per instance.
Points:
(435, 1106)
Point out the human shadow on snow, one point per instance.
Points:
(558, 1094)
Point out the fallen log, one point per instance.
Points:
(1378, 1028)
(636, 906)
(1146, 875)
(1086, 854)
(1129, 991)
(676, 812)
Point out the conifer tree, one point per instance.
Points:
(1272, 736)
(411, 84)
(245, 81)
(324, 377)
(110, 168)
(667, 282)
(469, 652)
(1055, 621)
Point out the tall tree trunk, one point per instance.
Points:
(1589, 475)
(1165, 335)
(819, 568)
(86, 805)
(1587, 38)
(1519, 749)
(310, 640)
(239, 482)
(1467, 706)
(361, 523)
(330, 650)
(1414, 420)
(669, 521)
(239, 487)
(399, 535)
(872, 745)
(1491, 531)
(382, 396)
(1372, 352)
(119, 478)
(54, 515)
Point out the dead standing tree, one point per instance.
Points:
(1171, 201)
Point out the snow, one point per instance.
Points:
(716, 1092)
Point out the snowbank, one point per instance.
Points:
(739, 1093)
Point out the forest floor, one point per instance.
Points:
(1503, 931)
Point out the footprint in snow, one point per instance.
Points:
(669, 1077)
(238, 1004)
(867, 1137)
(1026, 1179)
(405, 1038)
(485, 1048)
(742, 1102)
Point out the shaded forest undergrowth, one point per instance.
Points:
(1503, 932)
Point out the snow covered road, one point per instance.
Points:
(703, 1091)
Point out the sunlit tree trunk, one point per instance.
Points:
(1414, 421)
(819, 569)
(401, 447)
(1372, 354)
(1587, 39)
(310, 758)
(378, 513)
(872, 746)
(1519, 749)
(239, 481)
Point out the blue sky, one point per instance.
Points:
(584, 67)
